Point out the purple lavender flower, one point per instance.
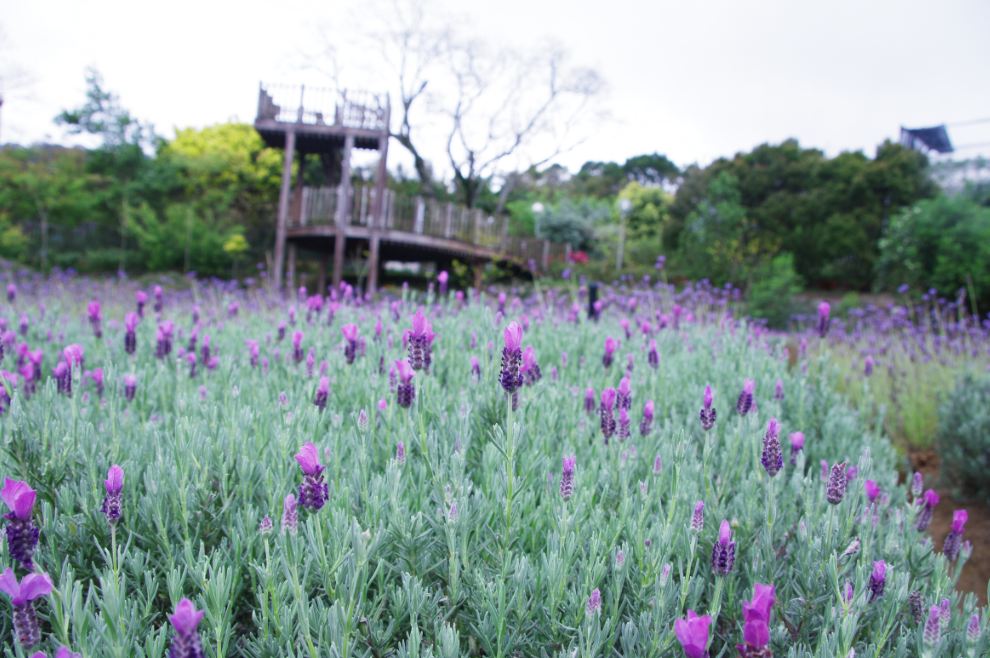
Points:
(290, 515)
(350, 332)
(130, 387)
(140, 299)
(609, 355)
(973, 628)
(724, 551)
(778, 390)
(953, 541)
(297, 350)
(657, 465)
(63, 377)
(185, 642)
(22, 596)
(692, 634)
(623, 397)
(567, 477)
(646, 424)
(917, 484)
(114, 484)
(95, 316)
(698, 517)
(442, 279)
(475, 368)
(928, 503)
(421, 342)
(872, 490)
(878, 579)
(509, 376)
(868, 365)
(796, 440)
(916, 606)
(322, 393)
(163, 338)
(653, 356)
(400, 453)
(823, 318)
(313, 491)
(159, 301)
(22, 533)
(624, 424)
(594, 604)
(933, 632)
(405, 392)
(589, 400)
(266, 525)
(130, 333)
(530, 371)
(756, 622)
(772, 458)
(11, 292)
(708, 413)
(745, 402)
(835, 489)
(607, 413)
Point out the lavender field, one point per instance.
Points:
(208, 470)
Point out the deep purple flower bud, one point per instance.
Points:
(509, 376)
(567, 477)
(163, 338)
(130, 387)
(772, 457)
(22, 596)
(130, 333)
(848, 591)
(953, 541)
(724, 551)
(63, 378)
(835, 489)
(589, 400)
(95, 316)
(290, 515)
(404, 391)
(623, 397)
(646, 424)
(823, 318)
(878, 579)
(708, 414)
(933, 632)
(594, 604)
(140, 299)
(607, 413)
(297, 351)
(916, 606)
(745, 402)
(475, 368)
(653, 356)
(797, 444)
(872, 490)
(609, 355)
(692, 634)
(22, 533)
(698, 517)
(313, 491)
(421, 342)
(114, 484)
(928, 503)
(185, 642)
(322, 393)
(266, 526)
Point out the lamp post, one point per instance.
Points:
(625, 205)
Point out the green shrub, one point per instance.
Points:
(771, 294)
(963, 439)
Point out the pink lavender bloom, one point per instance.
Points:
(297, 351)
(22, 596)
(872, 490)
(589, 400)
(797, 445)
(623, 397)
(823, 318)
(708, 413)
(953, 541)
(163, 337)
(778, 390)
(509, 377)
(140, 299)
(933, 631)
(835, 488)
(475, 368)
(646, 424)
(159, 301)
(607, 413)
(421, 342)
(313, 491)
(185, 620)
(772, 458)
(290, 515)
(322, 393)
(878, 579)
(130, 333)
(22, 533)
(442, 279)
(623, 425)
(653, 356)
(95, 316)
(405, 392)
(698, 517)
(724, 551)
(745, 402)
(529, 370)
(130, 387)
(928, 503)
(594, 604)
(350, 332)
(692, 633)
(63, 377)
(114, 484)
(253, 352)
(609, 355)
(567, 477)
(756, 622)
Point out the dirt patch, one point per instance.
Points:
(976, 574)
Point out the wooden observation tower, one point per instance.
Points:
(330, 124)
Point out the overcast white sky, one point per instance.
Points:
(694, 79)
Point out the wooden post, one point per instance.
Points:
(283, 207)
(343, 211)
(420, 212)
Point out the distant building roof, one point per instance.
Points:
(935, 138)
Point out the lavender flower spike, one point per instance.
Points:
(772, 458)
(933, 632)
(953, 541)
(928, 503)
(823, 318)
(290, 515)
(594, 605)
(405, 392)
(22, 533)
(796, 440)
(835, 489)
(646, 424)
(607, 413)
(724, 551)
(878, 579)
(185, 642)
(313, 491)
(421, 342)
(112, 500)
(567, 477)
(745, 401)
(698, 517)
(509, 377)
(22, 596)
(708, 413)
(692, 633)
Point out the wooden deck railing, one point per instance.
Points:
(323, 107)
(428, 217)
